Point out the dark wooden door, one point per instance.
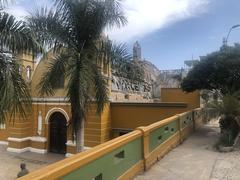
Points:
(58, 133)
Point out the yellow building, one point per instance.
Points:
(46, 127)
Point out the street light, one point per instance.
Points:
(230, 30)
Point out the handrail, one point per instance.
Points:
(63, 167)
(66, 166)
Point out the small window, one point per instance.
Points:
(98, 177)
(119, 157)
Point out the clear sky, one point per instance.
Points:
(170, 31)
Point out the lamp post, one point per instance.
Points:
(229, 32)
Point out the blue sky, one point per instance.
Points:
(170, 31)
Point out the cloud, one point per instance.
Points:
(22, 8)
(144, 16)
(18, 12)
(147, 16)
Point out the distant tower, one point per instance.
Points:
(137, 51)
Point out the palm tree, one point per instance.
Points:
(228, 108)
(74, 30)
(15, 38)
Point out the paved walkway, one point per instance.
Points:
(9, 162)
(196, 159)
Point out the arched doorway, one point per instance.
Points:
(58, 133)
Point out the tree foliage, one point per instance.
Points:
(228, 106)
(219, 73)
(216, 71)
(121, 61)
(15, 38)
(15, 96)
(74, 30)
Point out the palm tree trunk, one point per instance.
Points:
(80, 138)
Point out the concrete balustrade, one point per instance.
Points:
(127, 155)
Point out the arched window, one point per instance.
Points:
(28, 73)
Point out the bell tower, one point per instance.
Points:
(137, 54)
(26, 66)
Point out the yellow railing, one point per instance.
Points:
(127, 155)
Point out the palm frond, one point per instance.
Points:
(15, 96)
(88, 18)
(120, 59)
(101, 91)
(51, 28)
(56, 68)
(228, 104)
(16, 36)
(115, 13)
(113, 53)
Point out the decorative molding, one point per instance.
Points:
(52, 99)
(147, 104)
(125, 85)
(52, 103)
(3, 143)
(38, 139)
(19, 139)
(53, 110)
(34, 138)
(26, 149)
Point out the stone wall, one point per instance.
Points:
(123, 89)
